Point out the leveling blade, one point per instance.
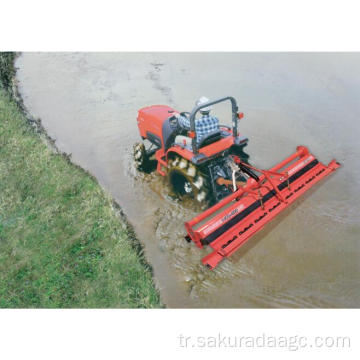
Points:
(226, 226)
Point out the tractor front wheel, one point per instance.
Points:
(141, 158)
(187, 181)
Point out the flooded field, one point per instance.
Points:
(310, 255)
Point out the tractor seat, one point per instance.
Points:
(210, 138)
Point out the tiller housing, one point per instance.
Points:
(226, 226)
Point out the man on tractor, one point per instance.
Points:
(204, 125)
(195, 154)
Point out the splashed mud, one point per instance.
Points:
(308, 256)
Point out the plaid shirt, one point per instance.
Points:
(203, 126)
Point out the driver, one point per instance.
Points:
(203, 125)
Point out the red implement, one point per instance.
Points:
(226, 226)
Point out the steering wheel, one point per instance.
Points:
(174, 123)
(185, 114)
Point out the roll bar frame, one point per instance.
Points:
(234, 109)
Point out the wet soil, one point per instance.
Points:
(308, 256)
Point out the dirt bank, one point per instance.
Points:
(58, 228)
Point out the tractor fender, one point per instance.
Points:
(178, 150)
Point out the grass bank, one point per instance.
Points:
(62, 241)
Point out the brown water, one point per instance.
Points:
(309, 256)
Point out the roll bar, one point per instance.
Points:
(195, 110)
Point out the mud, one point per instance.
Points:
(309, 256)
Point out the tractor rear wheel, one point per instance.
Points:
(141, 158)
(187, 180)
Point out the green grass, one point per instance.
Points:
(7, 69)
(62, 243)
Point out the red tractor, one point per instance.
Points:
(244, 199)
(205, 170)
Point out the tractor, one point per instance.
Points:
(205, 171)
(216, 171)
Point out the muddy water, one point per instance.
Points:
(309, 256)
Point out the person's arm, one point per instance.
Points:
(183, 122)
